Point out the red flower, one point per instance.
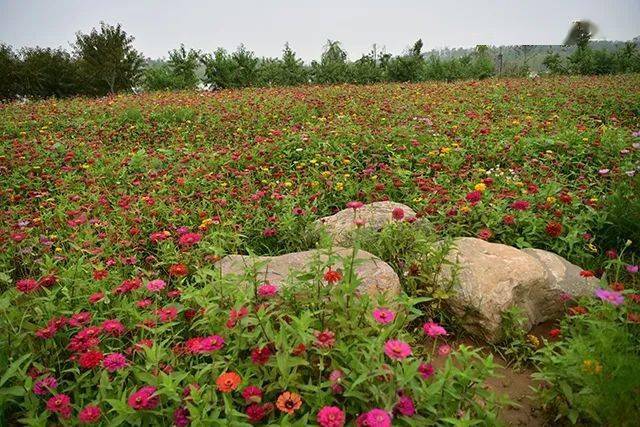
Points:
(260, 356)
(332, 276)
(474, 196)
(586, 273)
(520, 205)
(90, 359)
(555, 333)
(252, 394)
(178, 270)
(325, 339)
(554, 229)
(485, 234)
(189, 239)
(27, 285)
(397, 214)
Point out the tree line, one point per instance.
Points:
(104, 61)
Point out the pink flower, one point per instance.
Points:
(80, 319)
(45, 385)
(633, 269)
(383, 315)
(330, 416)
(252, 394)
(189, 239)
(426, 370)
(397, 214)
(114, 362)
(59, 403)
(27, 286)
(397, 350)
(375, 418)
(181, 417)
(144, 398)
(204, 344)
(405, 406)
(355, 205)
(335, 378)
(433, 329)
(113, 327)
(613, 297)
(520, 205)
(90, 414)
(96, 297)
(267, 290)
(444, 350)
(156, 285)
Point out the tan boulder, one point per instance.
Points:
(376, 276)
(341, 225)
(492, 278)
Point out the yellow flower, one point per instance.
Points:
(480, 187)
(346, 161)
(533, 340)
(288, 184)
(465, 209)
(551, 200)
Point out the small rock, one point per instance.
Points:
(376, 276)
(341, 225)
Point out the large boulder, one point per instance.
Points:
(491, 278)
(376, 215)
(376, 276)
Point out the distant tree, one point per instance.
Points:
(483, 65)
(239, 69)
(333, 67)
(366, 70)
(9, 73)
(293, 71)
(408, 67)
(553, 62)
(47, 72)
(183, 65)
(107, 61)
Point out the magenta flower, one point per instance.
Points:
(397, 350)
(114, 362)
(189, 239)
(444, 350)
(633, 269)
(433, 329)
(355, 205)
(405, 406)
(145, 398)
(613, 297)
(90, 414)
(330, 416)
(156, 285)
(267, 290)
(426, 370)
(383, 315)
(45, 385)
(375, 418)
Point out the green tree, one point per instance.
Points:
(239, 69)
(483, 66)
(183, 64)
(333, 67)
(9, 73)
(553, 62)
(409, 67)
(47, 72)
(293, 71)
(107, 61)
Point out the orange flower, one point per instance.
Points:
(228, 382)
(289, 402)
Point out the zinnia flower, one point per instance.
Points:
(433, 329)
(612, 297)
(90, 414)
(45, 385)
(252, 394)
(554, 229)
(355, 205)
(114, 362)
(260, 356)
(144, 398)
(27, 286)
(405, 406)
(181, 417)
(426, 370)
(90, 359)
(375, 418)
(156, 285)
(324, 339)
(228, 381)
(444, 350)
(330, 416)
(267, 290)
(383, 315)
(397, 214)
(189, 239)
(60, 404)
(332, 276)
(397, 350)
(289, 402)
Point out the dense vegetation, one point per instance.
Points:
(106, 62)
(113, 211)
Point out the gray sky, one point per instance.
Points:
(264, 26)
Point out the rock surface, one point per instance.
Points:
(492, 278)
(377, 276)
(374, 215)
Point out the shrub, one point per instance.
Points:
(592, 376)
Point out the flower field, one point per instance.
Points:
(113, 212)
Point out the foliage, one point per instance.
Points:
(310, 336)
(592, 376)
(107, 61)
(9, 73)
(48, 73)
(224, 70)
(333, 66)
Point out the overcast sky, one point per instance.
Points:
(264, 26)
